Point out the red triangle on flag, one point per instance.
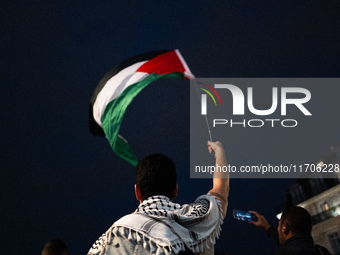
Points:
(168, 62)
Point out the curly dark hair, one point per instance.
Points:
(156, 175)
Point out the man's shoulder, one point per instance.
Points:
(308, 250)
(158, 225)
(324, 250)
(125, 240)
(289, 250)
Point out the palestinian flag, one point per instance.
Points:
(121, 84)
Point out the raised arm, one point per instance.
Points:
(263, 224)
(220, 188)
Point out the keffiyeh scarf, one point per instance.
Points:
(164, 226)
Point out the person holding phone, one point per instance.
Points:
(160, 226)
(293, 233)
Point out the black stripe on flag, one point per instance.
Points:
(95, 129)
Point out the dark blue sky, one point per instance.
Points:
(57, 181)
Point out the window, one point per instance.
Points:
(317, 186)
(297, 194)
(335, 243)
(324, 206)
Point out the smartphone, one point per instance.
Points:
(243, 216)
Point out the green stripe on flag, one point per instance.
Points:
(114, 112)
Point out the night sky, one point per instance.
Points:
(57, 181)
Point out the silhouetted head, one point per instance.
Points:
(294, 220)
(156, 175)
(299, 219)
(55, 247)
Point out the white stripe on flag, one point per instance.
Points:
(114, 87)
(187, 71)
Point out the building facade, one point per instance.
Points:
(321, 198)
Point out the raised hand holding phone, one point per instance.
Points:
(260, 222)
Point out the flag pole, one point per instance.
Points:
(206, 118)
